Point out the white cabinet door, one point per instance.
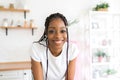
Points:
(105, 42)
(27, 75)
(15, 75)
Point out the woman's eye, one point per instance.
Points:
(51, 31)
(63, 31)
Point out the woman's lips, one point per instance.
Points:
(58, 41)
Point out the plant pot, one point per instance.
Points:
(103, 9)
(100, 59)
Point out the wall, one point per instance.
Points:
(16, 46)
(18, 42)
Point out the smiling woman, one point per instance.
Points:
(53, 57)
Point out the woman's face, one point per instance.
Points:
(57, 34)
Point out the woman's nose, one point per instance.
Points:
(57, 34)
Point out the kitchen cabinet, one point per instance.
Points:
(15, 75)
(104, 45)
(15, 71)
(24, 11)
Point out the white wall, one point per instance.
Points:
(39, 10)
(18, 42)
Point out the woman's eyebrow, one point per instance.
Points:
(55, 27)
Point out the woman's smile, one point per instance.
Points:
(58, 41)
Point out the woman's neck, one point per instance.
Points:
(55, 52)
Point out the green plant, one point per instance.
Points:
(100, 53)
(110, 71)
(73, 22)
(102, 5)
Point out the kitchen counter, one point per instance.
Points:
(15, 65)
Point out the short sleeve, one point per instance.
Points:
(73, 51)
(35, 53)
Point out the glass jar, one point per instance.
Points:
(31, 23)
(5, 22)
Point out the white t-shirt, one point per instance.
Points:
(56, 65)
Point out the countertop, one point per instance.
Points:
(4, 66)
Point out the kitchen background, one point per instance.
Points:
(16, 46)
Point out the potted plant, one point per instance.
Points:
(110, 71)
(100, 54)
(101, 7)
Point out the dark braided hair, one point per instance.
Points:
(47, 22)
(44, 37)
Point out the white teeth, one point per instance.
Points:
(58, 41)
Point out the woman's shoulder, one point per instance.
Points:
(38, 50)
(73, 50)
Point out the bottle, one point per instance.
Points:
(25, 23)
(5, 22)
(18, 23)
(31, 23)
(11, 23)
(11, 6)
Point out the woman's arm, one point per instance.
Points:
(37, 70)
(71, 70)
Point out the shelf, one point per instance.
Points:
(10, 27)
(100, 63)
(15, 65)
(104, 13)
(105, 36)
(16, 27)
(14, 10)
(110, 77)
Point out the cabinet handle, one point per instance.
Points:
(25, 73)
